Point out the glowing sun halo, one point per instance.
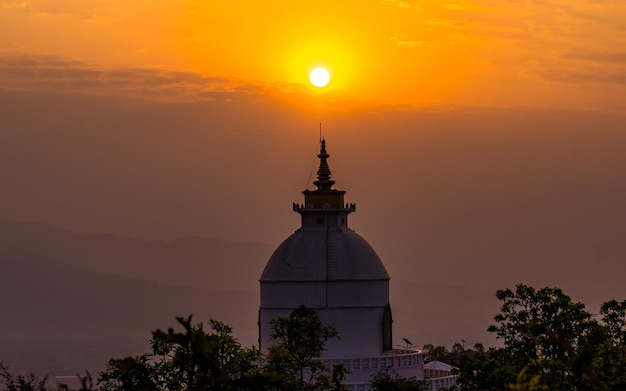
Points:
(319, 77)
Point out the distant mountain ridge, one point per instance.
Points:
(187, 261)
(85, 295)
(43, 297)
(68, 302)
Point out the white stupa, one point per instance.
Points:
(328, 268)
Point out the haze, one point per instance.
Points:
(483, 142)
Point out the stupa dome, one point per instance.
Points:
(312, 254)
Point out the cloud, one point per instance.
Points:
(450, 23)
(14, 5)
(589, 67)
(56, 74)
(50, 74)
(83, 10)
(398, 3)
(608, 58)
(406, 43)
(604, 77)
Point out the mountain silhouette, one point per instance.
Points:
(72, 301)
(187, 261)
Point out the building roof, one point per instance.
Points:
(438, 366)
(324, 255)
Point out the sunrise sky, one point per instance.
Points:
(483, 141)
(563, 54)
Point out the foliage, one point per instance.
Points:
(383, 381)
(301, 338)
(526, 383)
(203, 360)
(127, 374)
(547, 333)
(86, 383)
(436, 353)
(611, 359)
(440, 353)
(550, 343)
(486, 370)
(192, 360)
(29, 382)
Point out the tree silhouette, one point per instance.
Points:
(191, 360)
(29, 382)
(301, 338)
(550, 343)
(384, 381)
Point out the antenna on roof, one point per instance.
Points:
(408, 344)
(320, 132)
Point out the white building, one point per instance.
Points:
(326, 267)
(439, 374)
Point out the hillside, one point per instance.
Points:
(187, 261)
(73, 301)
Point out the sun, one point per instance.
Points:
(319, 77)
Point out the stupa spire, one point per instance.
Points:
(323, 181)
(324, 196)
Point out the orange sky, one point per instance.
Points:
(483, 141)
(558, 53)
(109, 91)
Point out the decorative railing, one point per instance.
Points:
(394, 359)
(345, 208)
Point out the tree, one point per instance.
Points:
(191, 360)
(301, 338)
(547, 334)
(438, 353)
(384, 381)
(204, 360)
(129, 374)
(550, 343)
(526, 383)
(29, 382)
(485, 370)
(611, 359)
